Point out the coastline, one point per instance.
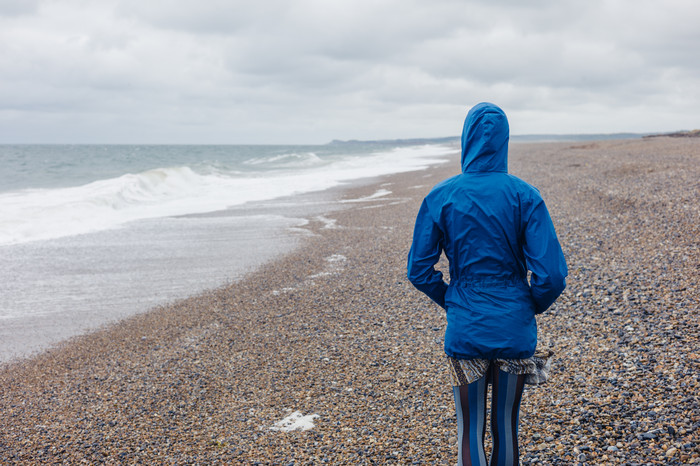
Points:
(57, 288)
(333, 329)
(92, 281)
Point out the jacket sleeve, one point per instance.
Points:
(544, 258)
(424, 254)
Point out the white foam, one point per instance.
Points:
(335, 265)
(328, 223)
(39, 214)
(295, 421)
(371, 197)
(289, 160)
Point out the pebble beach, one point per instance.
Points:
(328, 355)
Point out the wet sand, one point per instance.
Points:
(334, 330)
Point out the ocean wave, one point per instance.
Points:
(38, 214)
(288, 160)
(41, 214)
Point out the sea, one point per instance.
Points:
(91, 234)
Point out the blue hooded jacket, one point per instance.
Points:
(493, 227)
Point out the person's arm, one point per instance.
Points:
(425, 253)
(545, 259)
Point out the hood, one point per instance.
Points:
(485, 139)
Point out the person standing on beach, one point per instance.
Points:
(493, 228)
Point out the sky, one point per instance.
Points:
(310, 71)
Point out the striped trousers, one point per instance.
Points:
(471, 401)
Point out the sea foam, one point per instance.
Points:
(39, 214)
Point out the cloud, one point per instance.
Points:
(18, 7)
(312, 70)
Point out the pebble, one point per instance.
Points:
(202, 380)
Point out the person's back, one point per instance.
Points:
(493, 228)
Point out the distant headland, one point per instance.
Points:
(677, 134)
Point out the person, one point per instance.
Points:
(505, 266)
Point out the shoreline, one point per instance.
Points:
(259, 232)
(56, 289)
(93, 281)
(333, 329)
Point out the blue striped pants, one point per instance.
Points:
(470, 401)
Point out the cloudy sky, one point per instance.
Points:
(308, 71)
